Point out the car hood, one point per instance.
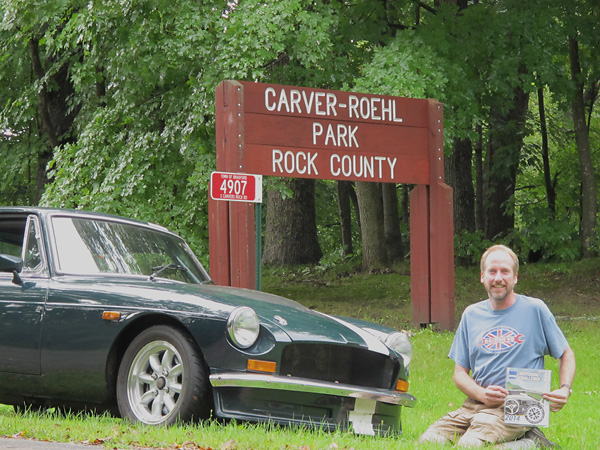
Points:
(298, 321)
(278, 314)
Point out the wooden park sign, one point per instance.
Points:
(291, 131)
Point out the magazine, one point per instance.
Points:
(524, 404)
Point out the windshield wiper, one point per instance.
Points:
(172, 266)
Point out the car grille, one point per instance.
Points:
(339, 364)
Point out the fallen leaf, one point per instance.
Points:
(229, 445)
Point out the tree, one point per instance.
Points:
(129, 89)
(290, 237)
(372, 226)
(589, 204)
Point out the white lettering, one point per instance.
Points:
(319, 103)
(295, 98)
(331, 102)
(339, 135)
(360, 166)
(335, 159)
(396, 119)
(283, 102)
(277, 158)
(365, 108)
(387, 110)
(330, 135)
(269, 106)
(308, 102)
(299, 168)
(294, 163)
(372, 108)
(392, 164)
(317, 131)
(353, 106)
(374, 101)
(368, 162)
(312, 168)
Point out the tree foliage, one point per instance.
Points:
(110, 105)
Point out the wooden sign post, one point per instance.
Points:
(290, 131)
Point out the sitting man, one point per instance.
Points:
(480, 369)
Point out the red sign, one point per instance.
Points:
(236, 187)
(314, 133)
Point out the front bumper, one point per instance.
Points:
(301, 401)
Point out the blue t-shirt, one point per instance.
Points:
(488, 341)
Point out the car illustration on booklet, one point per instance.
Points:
(103, 313)
(524, 404)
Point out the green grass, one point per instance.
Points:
(571, 291)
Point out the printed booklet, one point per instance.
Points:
(524, 404)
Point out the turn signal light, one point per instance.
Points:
(402, 386)
(111, 315)
(262, 366)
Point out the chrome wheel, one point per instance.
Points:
(154, 382)
(162, 379)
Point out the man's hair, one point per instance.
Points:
(503, 248)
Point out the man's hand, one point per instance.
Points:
(491, 395)
(558, 398)
(494, 395)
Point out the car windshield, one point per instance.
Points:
(90, 246)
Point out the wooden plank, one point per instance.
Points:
(315, 103)
(442, 256)
(218, 243)
(419, 255)
(321, 134)
(232, 236)
(344, 165)
(441, 226)
(218, 212)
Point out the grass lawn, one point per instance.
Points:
(571, 291)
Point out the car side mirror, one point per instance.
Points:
(14, 264)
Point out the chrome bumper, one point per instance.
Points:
(275, 382)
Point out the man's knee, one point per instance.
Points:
(430, 436)
(469, 441)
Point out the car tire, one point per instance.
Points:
(162, 379)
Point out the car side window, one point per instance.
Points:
(33, 260)
(12, 229)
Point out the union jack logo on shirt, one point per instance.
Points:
(500, 339)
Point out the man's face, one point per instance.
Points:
(499, 277)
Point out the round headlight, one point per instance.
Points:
(400, 343)
(243, 326)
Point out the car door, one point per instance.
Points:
(22, 302)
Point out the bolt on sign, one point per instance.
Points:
(302, 132)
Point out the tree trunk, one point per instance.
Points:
(589, 207)
(345, 212)
(507, 129)
(550, 191)
(479, 180)
(372, 228)
(391, 223)
(459, 176)
(291, 229)
(56, 114)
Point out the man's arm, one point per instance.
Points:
(566, 373)
(491, 396)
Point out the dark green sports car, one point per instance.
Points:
(105, 313)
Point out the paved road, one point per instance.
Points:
(30, 444)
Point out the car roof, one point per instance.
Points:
(45, 212)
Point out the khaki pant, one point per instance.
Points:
(474, 424)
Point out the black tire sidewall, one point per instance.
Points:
(193, 403)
